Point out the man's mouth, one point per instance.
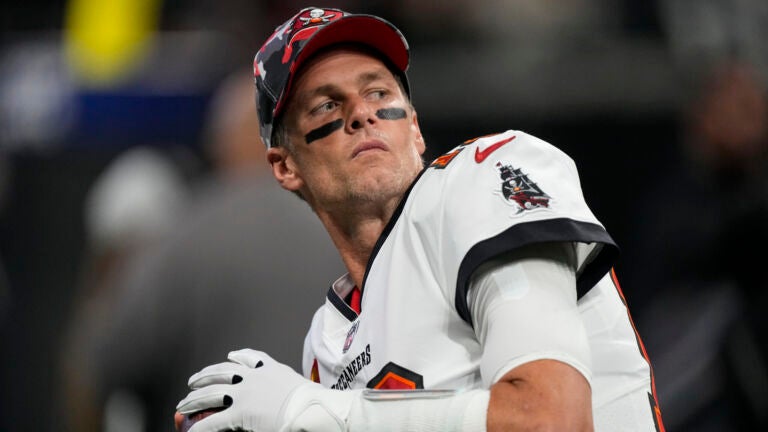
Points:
(372, 145)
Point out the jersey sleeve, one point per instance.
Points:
(532, 288)
(497, 194)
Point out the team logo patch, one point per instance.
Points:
(519, 190)
(316, 16)
(350, 336)
(306, 24)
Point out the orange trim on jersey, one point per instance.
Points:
(314, 375)
(471, 140)
(399, 383)
(443, 161)
(655, 405)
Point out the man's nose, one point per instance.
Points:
(361, 113)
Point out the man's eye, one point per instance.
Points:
(377, 94)
(324, 107)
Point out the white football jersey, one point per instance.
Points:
(486, 197)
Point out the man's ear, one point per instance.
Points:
(284, 168)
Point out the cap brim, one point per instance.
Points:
(363, 29)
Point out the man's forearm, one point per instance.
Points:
(541, 395)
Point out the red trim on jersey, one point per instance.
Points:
(655, 401)
(354, 299)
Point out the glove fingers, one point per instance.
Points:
(221, 373)
(249, 357)
(214, 396)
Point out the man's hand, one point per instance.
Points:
(252, 388)
(258, 394)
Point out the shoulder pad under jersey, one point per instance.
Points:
(497, 193)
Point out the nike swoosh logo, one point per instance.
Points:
(481, 155)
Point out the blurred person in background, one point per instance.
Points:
(127, 211)
(220, 279)
(131, 205)
(701, 224)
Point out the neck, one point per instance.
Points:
(355, 232)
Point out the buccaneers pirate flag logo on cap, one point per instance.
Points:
(295, 41)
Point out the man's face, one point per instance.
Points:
(354, 135)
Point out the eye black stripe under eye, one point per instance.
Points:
(324, 130)
(391, 114)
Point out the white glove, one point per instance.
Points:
(256, 390)
(261, 395)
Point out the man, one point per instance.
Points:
(480, 284)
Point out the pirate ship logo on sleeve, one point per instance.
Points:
(519, 190)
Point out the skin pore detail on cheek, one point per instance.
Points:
(324, 130)
(391, 113)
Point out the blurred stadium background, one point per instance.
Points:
(610, 82)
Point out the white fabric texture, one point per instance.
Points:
(459, 412)
(524, 309)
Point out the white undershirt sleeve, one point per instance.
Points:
(523, 307)
(314, 409)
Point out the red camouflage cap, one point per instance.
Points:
(293, 42)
